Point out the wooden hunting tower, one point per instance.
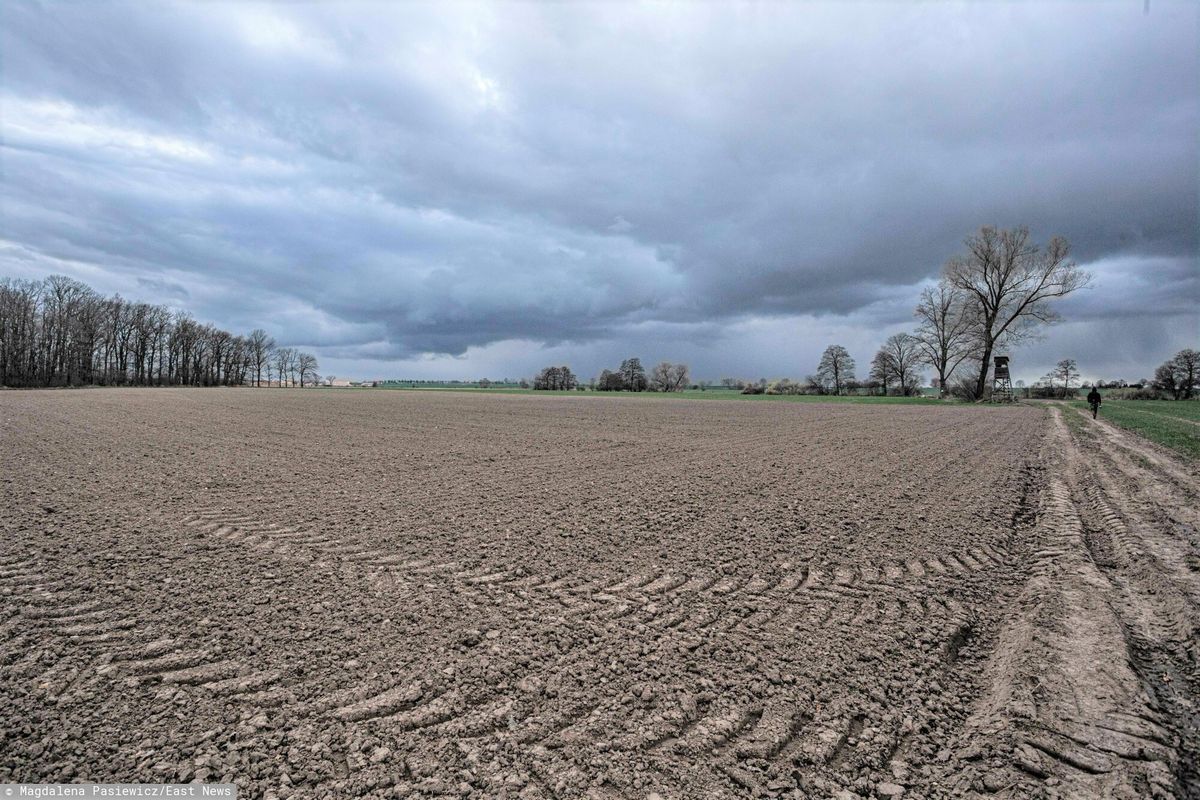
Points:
(1002, 391)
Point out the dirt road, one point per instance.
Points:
(1093, 683)
(329, 594)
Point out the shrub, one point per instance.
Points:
(1135, 393)
(784, 386)
(964, 388)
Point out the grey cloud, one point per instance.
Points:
(392, 182)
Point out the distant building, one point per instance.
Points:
(332, 381)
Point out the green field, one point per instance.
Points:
(690, 394)
(1173, 424)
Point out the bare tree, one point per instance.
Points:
(1009, 283)
(836, 368)
(633, 376)
(660, 377)
(904, 355)
(1178, 376)
(261, 345)
(1187, 365)
(284, 357)
(944, 333)
(882, 370)
(556, 379)
(1066, 373)
(59, 332)
(680, 376)
(668, 377)
(1167, 379)
(610, 381)
(306, 364)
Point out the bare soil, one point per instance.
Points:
(393, 594)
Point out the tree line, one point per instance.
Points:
(631, 376)
(1179, 377)
(995, 295)
(60, 332)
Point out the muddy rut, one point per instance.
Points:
(333, 594)
(1093, 683)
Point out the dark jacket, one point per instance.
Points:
(1093, 396)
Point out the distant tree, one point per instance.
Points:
(633, 375)
(1009, 284)
(1187, 368)
(1066, 374)
(260, 345)
(945, 330)
(731, 383)
(836, 367)
(610, 381)
(59, 332)
(556, 379)
(484, 383)
(1168, 379)
(679, 377)
(904, 356)
(660, 377)
(882, 370)
(284, 360)
(306, 365)
(668, 377)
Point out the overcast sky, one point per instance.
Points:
(457, 191)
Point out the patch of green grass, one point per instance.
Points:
(1164, 422)
(726, 394)
(1180, 409)
(689, 394)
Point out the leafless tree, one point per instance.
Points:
(284, 360)
(836, 368)
(904, 356)
(633, 375)
(680, 377)
(668, 377)
(1167, 379)
(1187, 365)
(306, 365)
(945, 331)
(1009, 284)
(1066, 374)
(1178, 376)
(556, 379)
(59, 332)
(260, 345)
(882, 370)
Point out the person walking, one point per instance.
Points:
(1093, 399)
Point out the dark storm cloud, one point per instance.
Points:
(383, 182)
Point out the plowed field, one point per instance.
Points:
(335, 594)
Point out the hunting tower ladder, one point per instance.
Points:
(1002, 389)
